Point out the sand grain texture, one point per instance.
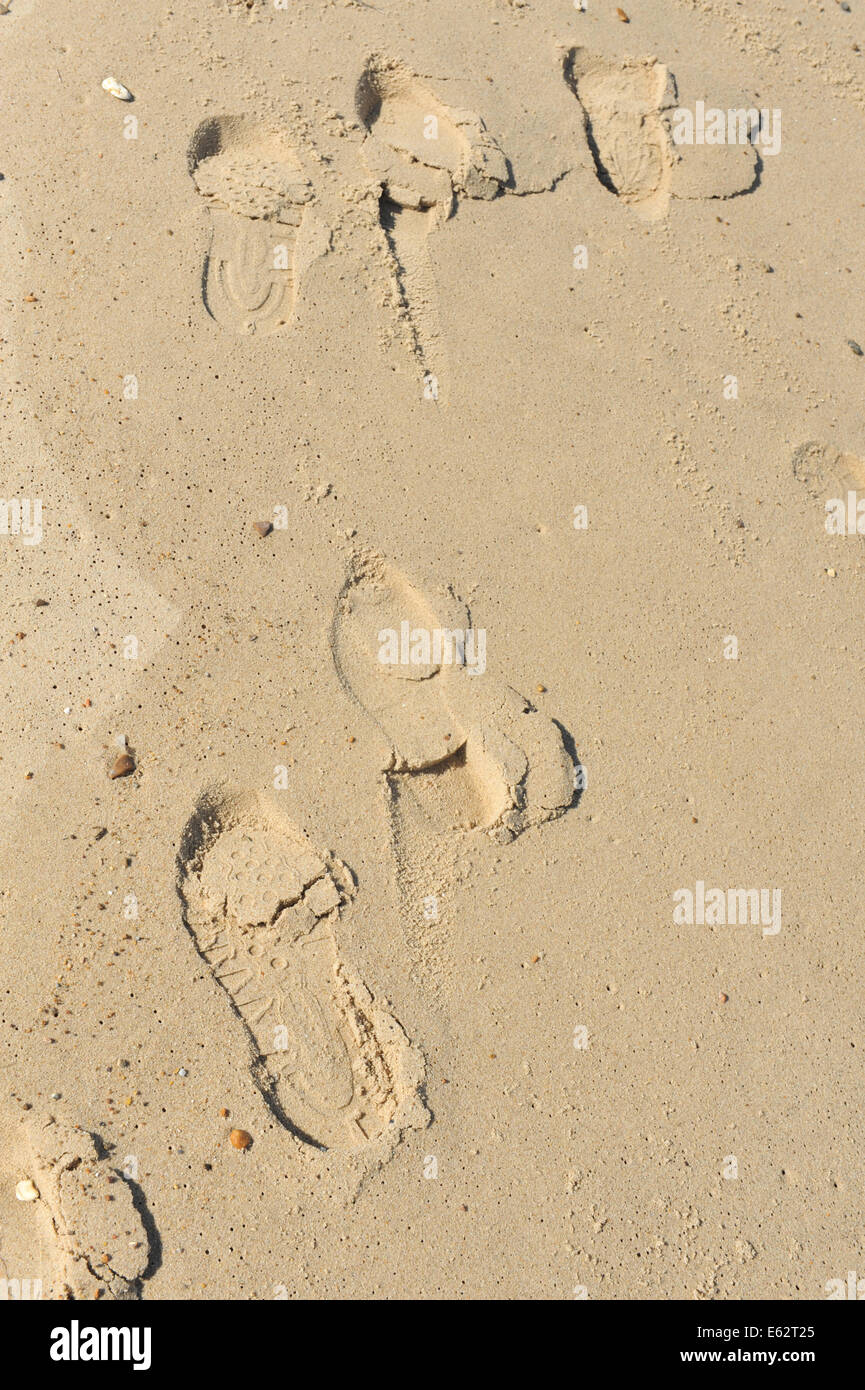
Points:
(414, 289)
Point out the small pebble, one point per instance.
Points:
(240, 1139)
(27, 1191)
(263, 528)
(117, 89)
(723, 998)
(182, 1072)
(831, 574)
(122, 766)
(541, 689)
(854, 347)
(224, 1113)
(620, 14)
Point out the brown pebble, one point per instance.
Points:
(541, 689)
(723, 998)
(223, 1113)
(620, 14)
(123, 766)
(263, 528)
(240, 1139)
(30, 299)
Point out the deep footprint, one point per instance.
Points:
(474, 751)
(333, 1066)
(424, 155)
(627, 108)
(252, 182)
(82, 1236)
(621, 104)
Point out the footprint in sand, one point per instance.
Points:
(83, 1235)
(476, 751)
(830, 477)
(627, 108)
(261, 904)
(826, 473)
(253, 184)
(464, 752)
(425, 155)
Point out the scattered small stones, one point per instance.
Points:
(117, 89)
(854, 347)
(122, 766)
(240, 1139)
(263, 528)
(27, 1191)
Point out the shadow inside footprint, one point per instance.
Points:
(636, 136)
(261, 904)
(475, 752)
(84, 1230)
(424, 154)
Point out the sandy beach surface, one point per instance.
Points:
(432, 697)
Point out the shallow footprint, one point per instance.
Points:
(474, 751)
(260, 903)
(826, 473)
(70, 1223)
(252, 182)
(424, 155)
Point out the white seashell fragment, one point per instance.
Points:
(116, 89)
(27, 1191)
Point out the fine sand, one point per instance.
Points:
(430, 744)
